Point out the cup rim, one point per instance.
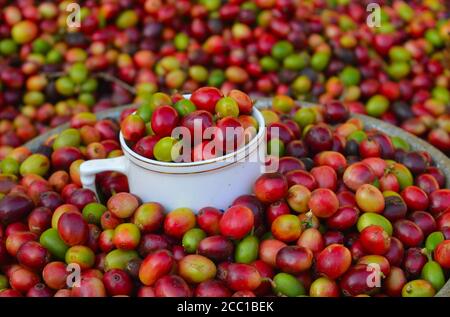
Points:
(261, 131)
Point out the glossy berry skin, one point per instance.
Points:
(377, 164)
(408, 233)
(336, 112)
(437, 174)
(415, 162)
(149, 217)
(414, 261)
(346, 198)
(286, 228)
(145, 146)
(164, 120)
(298, 198)
(290, 163)
(217, 248)
(303, 221)
(383, 263)
(386, 145)
(324, 287)
(325, 176)
(276, 209)
(212, 288)
(206, 98)
(10, 293)
(270, 188)
(370, 199)
(149, 243)
(172, 286)
(117, 282)
(178, 222)
(443, 221)
(344, 218)
(23, 279)
(33, 255)
(312, 239)
(122, 205)
(72, 228)
(389, 182)
(243, 277)
(201, 118)
(294, 259)
(55, 274)
(266, 271)
(299, 177)
(357, 175)
(40, 290)
(323, 203)
(243, 100)
(255, 206)
(375, 240)
(395, 208)
(126, 236)
(296, 148)
(394, 282)
(283, 132)
(369, 148)
(425, 221)
(333, 237)
(396, 252)
(208, 219)
(319, 138)
(333, 159)
(269, 249)
(228, 135)
(439, 201)
(334, 261)
(415, 198)
(427, 183)
(155, 266)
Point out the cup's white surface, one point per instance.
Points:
(215, 182)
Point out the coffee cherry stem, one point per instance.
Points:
(428, 254)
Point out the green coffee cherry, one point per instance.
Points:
(78, 73)
(192, 238)
(377, 105)
(282, 49)
(181, 41)
(320, 60)
(35, 164)
(127, 19)
(68, 137)
(247, 250)
(269, 64)
(8, 47)
(350, 76)
(304, 117)
(9, 166)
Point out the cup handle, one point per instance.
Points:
(89, 169)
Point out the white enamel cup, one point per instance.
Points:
(214, 182)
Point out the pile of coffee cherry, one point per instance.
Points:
(347, 205)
